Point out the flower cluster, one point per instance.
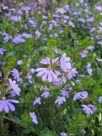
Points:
(53, 75)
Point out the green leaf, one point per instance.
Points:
(47, 132)
(26, 120)
(52, 42)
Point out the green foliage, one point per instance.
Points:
(47, 132)
(56, 36)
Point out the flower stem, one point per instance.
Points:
(1, 124)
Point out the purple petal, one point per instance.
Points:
(11, 106)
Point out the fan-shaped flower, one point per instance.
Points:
(16, 74)
(90, 48)
(25, 35)
(34, 117)
(46, 74)
(100, 99)
(14, 86)
(89, 109)
(19, 62)
(37, 101)
(63, 134)
(26, 8)
(60, 100)
(2, 50)
(71, 73)
(64, 93)
(84, 53)
(15, 18)
(37, 34)
(18, 39)
(89, 69)
(80, 95)
(7, 105)
(48, 61)
(45, 94)
(65, 63)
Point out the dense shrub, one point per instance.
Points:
(51, 71)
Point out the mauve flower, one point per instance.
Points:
(66, 17)
(2, 50)
(63, 134)
(53, 23)
(65, 63)
(64, 93)
(37, 34)
(13, 93)
(45, 94)
(63, 79)
(89, 109)
(21, 4)
(44, 17)
(99, 42)
(71, 24)
(14, 86)
(90, 19)
(60, 100)
(45, 61)
(2, 63)
(33, 23)
(57, 82)
(48, 61)
(100, 99)
(89, 69)
(26, 8)
(90, 48)
(51, 36)
(81, 1)
(84, 53)
(32, 70)
(16, 74)
(46, 74)
(82, 20)
(87, 1)
(19, 12)
(7, 37)
(100, 23)
(71, 73)
(25, 35)
(56, 15)
(37, 101)
(92, 29)
(19, 62)
(98, 7)
(7, 105)
(18, 39)
(100, 30)
(64, 21)
(80, 95)
(34, 117)
(56, 51)
(60, 10)
(15, 18)
(29, 77)
(44, 88)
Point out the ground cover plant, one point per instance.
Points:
(51, 70)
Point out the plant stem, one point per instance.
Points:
(1, 124)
